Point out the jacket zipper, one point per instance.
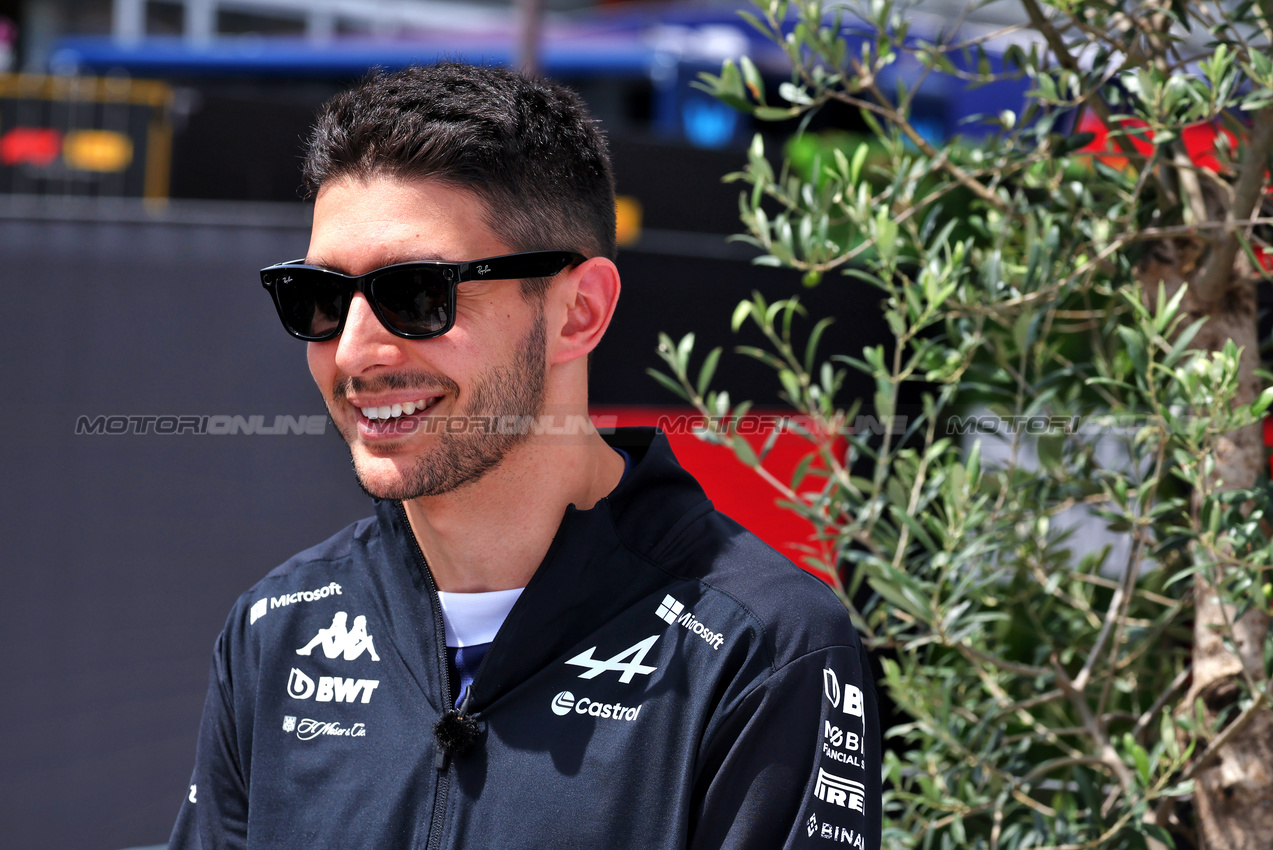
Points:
(439, 631)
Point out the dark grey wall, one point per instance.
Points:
(123, 554)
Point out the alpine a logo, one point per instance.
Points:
(330, 688)
(626, 663)
(337, 640)
(564, 703)
(670, 610)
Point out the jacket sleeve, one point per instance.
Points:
(795, 762)
(214, 811)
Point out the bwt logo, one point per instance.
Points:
(852, 694)
(329, 688)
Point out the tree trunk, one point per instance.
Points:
(1233, 799)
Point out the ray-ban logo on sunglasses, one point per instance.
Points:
(483, 269)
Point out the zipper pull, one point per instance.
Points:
(456, 730)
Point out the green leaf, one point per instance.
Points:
(1262, 403)
(743, 451)
(668, 383)
(791, 386)
(855, 167)
(684, 349)
(752, 80)
(708, 370)
(815, 336)
(1182, 342)
(776, 113)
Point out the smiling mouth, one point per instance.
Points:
(395, 411)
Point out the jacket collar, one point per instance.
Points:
(600, 561)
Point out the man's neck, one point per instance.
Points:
(493, 534)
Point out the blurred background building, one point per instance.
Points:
(149, 157)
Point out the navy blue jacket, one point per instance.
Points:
(666, 680)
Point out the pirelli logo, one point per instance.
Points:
(838, 791)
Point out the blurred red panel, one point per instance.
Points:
(734, 489)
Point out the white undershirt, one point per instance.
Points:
(472, 619)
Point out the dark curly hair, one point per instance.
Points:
(527, 148)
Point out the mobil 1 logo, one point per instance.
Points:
(842, 745)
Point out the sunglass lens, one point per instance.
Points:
(413, 301)
(312, 302)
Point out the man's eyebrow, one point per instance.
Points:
(389, 260)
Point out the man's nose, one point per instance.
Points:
(365, 343)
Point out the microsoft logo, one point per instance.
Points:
(670, 609)
(259, 610)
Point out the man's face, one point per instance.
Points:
(490, 365)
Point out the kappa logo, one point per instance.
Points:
(336, 640)
(845, 793)
(670, 610)
(565, 702)
(627, 662)
(263, 606)
(329, 688)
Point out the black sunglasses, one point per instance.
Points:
(412, 300)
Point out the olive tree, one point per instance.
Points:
(1050, 693)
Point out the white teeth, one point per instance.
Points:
(395, 410)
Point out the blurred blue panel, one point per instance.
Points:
(288, 57)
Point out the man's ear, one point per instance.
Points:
(590, 296)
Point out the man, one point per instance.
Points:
(556, 641)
